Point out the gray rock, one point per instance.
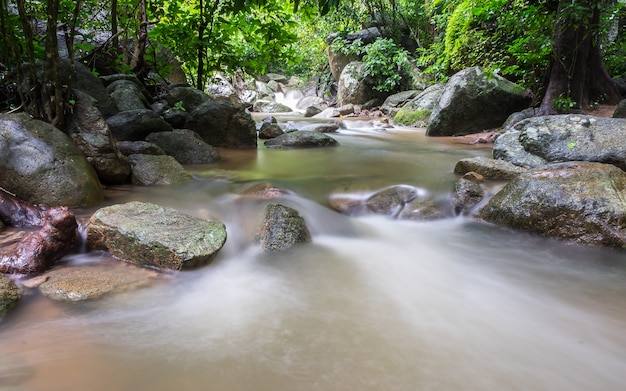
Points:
(176, 118)
(577, 201)
(221, 88)
(283, 227)
(127, 95)
(267, 106)
(270, 130)
(302, 139)
(128, 148)
(564, 138)
(312, 111)
(422, 209)
(185, 146)
(156, 236)
(488, 168)
(190, 98)
(223, 124)
(41, 165)
(473, 101)
(9, 295)
(327, 128)
(92, 136)
(90, 282)
(394, 102)
(135, 125)
(620, 110)
(391, 200)
(354, 87)
(467, 193)
(148, 170)
(312, 100)
(85, 80)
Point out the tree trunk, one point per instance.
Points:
(52, 91)
(576, 71)
(138, 62)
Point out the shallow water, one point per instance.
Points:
(371, 304)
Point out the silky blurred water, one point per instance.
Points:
(371, 304)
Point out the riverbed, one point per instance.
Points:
(372, 303)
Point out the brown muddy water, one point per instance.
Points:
(371, 304)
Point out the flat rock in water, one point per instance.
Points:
(151, 235)
(88, 282)
(302, 139)
(489, 168)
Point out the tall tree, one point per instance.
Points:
(576, 70)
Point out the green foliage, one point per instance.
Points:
(384, 61)
(513, 36)
(564, 104)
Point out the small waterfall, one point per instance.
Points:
(290, 98)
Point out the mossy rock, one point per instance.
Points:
(410, 117)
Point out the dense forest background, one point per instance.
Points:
(568, 52)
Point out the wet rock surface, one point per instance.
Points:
(151, 235)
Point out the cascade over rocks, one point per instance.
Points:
(539, 140)
(151, 235)
(578, 201)
(41, 164)
(223, 124)
(473, 101)
(92, 136)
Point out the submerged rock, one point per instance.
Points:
(283, 227)
(579, 201)
(151, 235)
(88, 282)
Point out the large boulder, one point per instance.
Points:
(283, 227)
(301, 139)
(473, 101)
(148, 170)
(578, 201)
(92, 136)
(9, 295)
(135, 125)
(223, 124)
(155, 236)
(539, 140)
(354, 87)
(185, 146)
(41, 165)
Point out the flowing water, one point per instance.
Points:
(371, 304)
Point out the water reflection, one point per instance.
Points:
(371, 304)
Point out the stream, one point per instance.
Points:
(372, 303)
